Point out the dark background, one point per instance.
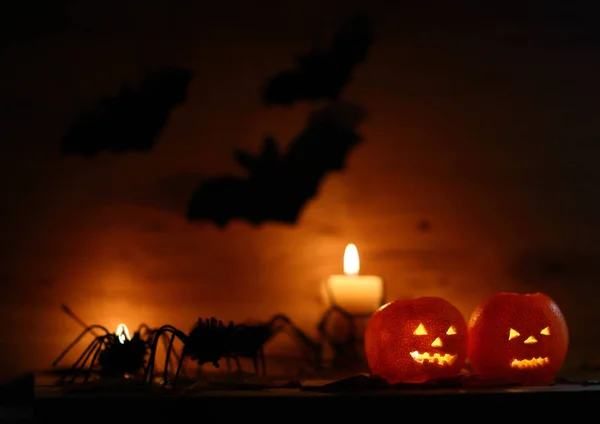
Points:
(479, 170)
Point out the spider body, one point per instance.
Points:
(120, 358)
(112, 354)
(115, 354)
(210, 340)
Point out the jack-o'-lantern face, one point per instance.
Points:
(534, 361)
(434, 353)
(413, 341)
(518, 338)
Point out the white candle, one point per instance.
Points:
(356, 294)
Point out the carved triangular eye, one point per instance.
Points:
(545, 331)
(420, 331)
(513, 334)
(451, 331)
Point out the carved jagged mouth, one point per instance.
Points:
(436, 358)
(530, 363)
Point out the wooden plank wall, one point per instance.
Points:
(496, 161)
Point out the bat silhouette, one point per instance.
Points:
(279, 184)
(130, 121)
(323, 74)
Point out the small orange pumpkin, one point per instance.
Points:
(416, 340)
(518, 338)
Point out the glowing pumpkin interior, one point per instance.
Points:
(416, 340)
(521, 338)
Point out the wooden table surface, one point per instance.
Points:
(311, 400)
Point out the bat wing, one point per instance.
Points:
(263, 196)
(279, 186)
(220, 200)
(285, 88)
(130, 121)
(327, 138)
(322, 75)
(322, 147)
(256, 200)
(351, 43)
(263, 165)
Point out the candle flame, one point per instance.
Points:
(122, 333)
(351, 260)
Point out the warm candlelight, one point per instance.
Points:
(122, 333)
(357, 294)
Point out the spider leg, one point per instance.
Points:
(168, 358)
(77, 368)
(255, 363)
(91, 328)
(146, 333)
(84, 354)
(145, 327)
(149, 372)
(237, 363)
(166, 343)
(94, 358)
(179, 368)
(177, 358)
(263, 361)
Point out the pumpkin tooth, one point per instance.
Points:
(436, 358)
(530, 363)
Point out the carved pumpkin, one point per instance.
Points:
(518, 338)
(416, 340)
